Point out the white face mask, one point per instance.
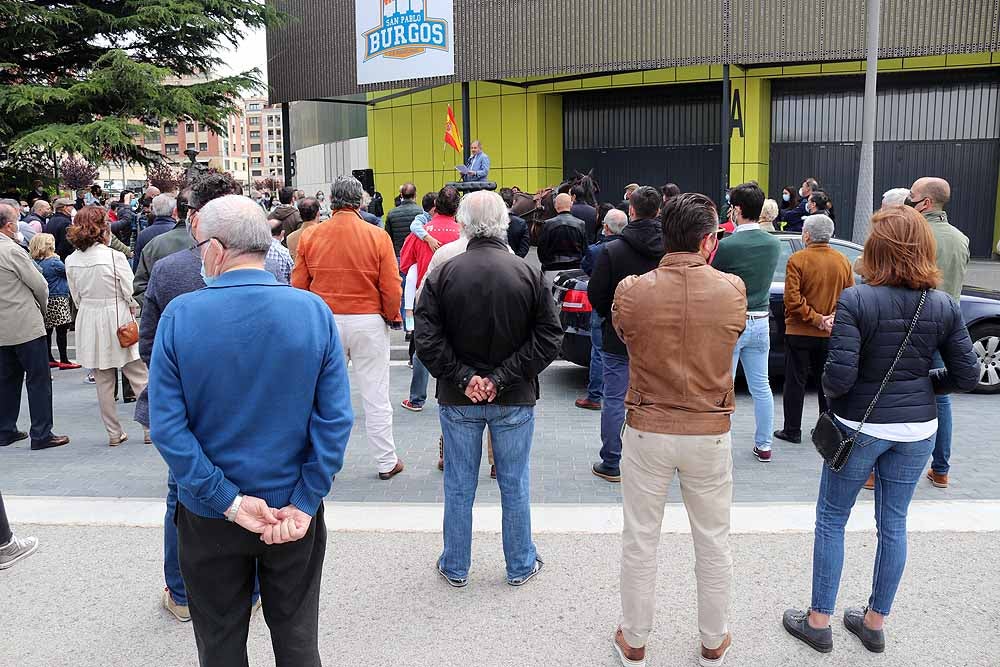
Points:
(19, 237)
(802, 193)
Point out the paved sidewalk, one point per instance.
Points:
(983, 273)
(566, 444)
(90, 597)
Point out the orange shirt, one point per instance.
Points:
(351, 265)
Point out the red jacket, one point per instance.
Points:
(441, 227)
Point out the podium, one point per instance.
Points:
(472, 186)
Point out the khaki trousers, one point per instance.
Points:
(705, 467)
(137, 375)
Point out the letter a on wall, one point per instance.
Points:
(400, 40)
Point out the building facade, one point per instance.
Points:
(641, 99)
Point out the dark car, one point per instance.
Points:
(980, 307)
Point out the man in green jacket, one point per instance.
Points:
(752, 254)
(929, 196)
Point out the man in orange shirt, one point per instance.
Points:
(352, 266)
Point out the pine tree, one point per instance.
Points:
(85, 78)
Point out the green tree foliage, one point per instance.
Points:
(84, 78)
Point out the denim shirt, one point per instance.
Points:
(55, 275)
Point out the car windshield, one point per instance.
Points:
(788, 247)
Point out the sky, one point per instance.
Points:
(252, 52)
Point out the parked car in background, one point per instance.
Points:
(980, 308)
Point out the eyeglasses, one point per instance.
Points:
(197, 246)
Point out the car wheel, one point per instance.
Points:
(986, 344)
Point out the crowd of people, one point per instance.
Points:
(680, 298)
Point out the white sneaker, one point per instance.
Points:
(16, 550)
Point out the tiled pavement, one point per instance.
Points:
(565, 445)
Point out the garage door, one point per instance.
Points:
(649, 135)
(924, 128)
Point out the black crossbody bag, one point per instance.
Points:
(832, 443)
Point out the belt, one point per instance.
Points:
(757, 317)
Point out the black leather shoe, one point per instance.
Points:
(797, 624)
(854, 620)
(605, 471)
(53, 441)
(18, 437)
(789, 436)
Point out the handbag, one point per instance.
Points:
(128, 333)
(828, 438)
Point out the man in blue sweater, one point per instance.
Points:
(252, 464)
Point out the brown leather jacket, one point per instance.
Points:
(680, 323)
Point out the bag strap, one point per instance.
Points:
(899, 355)
(114, 269)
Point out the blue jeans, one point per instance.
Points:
(171, 562)
(898, 467)
(595, 385)
(512, 427)
(752, 349)
(942, 444)
(418, 383)
(613, 407)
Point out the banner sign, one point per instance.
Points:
(404, 39)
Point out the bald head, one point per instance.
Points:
(930, 187)
(8, 219)
(41, 208)
(152, 191)
(563, 203)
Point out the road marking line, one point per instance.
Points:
(747, 518)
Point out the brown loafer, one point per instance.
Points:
(938, 479)
(870, 484)
(630, 657)
(587, 404)
(53, 441)
(392, 473)
(713, 657)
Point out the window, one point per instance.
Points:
(253, 120)
(189, 127)
(270, 134)
(786, 251)
(256, 172)
(203, 146)
(170, 130)
(171, 149)
(255, 160)
(227, 165)
(190, 145)
(254, 148)
(255, 134)
(254, 106)
(850, 252)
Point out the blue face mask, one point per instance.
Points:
(785, 196)
(209, 280)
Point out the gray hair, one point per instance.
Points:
(769, 211)
(8, 212)
(237, 222)
(819, 226)
(615, 221)
(346, 192)
(895, 197)
(483, 215)
(163, 205)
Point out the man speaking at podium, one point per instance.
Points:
(478, 167)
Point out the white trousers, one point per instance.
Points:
(365, 339)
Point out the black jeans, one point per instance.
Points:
(804, 355)
(29, 359)
(5, 532)
(218, 560)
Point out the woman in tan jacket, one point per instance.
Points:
(100, 281)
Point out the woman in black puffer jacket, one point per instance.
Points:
(897, 439)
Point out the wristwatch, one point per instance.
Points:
(234, 508)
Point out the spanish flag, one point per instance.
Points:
(451, 135)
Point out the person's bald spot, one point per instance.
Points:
(937, 189)
(563, 203)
